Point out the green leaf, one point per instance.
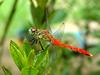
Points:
(44, 63)
(6, 71)
(94, 73)
(27, 48)
(42, 3)
(17, 56)
(1, 1)
(37, 13)
(96, 34)
(29, 71)
(31, 58)
(95, 50)
(40, 58)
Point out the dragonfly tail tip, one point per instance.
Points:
(91, 55)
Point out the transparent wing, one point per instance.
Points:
(58, 31)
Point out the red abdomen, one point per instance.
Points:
(60, 44)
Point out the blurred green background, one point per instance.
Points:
(76, 22)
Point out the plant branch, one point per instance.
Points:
(8, 22)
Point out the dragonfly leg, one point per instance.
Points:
(47, 46)
(33, 41)
(41, 45)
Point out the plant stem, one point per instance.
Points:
(8, 23)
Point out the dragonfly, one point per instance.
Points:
(45, 34)
(38, 34)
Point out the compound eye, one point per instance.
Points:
(32, 30)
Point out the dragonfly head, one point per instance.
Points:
(32, 30)
(37, 34)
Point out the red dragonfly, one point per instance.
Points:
(39, 34)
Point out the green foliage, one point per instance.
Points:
(57, 16)
(95, 49)
(16, 54)
(29, 63)
(6, 71)
(91, 10)
(42, 61)
(31, 58)
(27, 48)
(38, 10)
(29, 71)
(94, 73)
(96, 34)
(1, 1)
(42, 3)
(41, 58)
(41, 13)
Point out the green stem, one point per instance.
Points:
(8, 23)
